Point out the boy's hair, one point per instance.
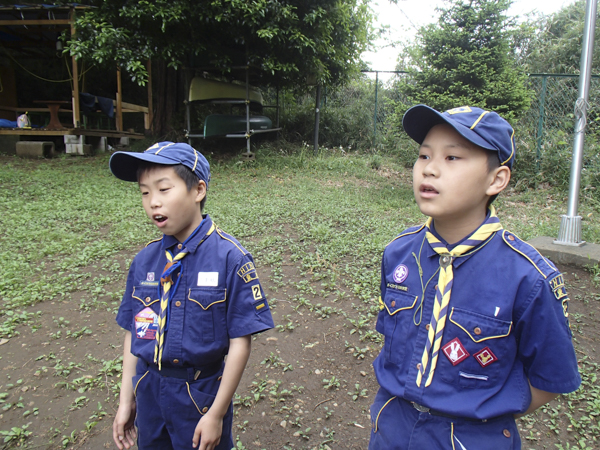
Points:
(189, 178)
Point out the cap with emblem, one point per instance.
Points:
(124, 165)
(479, 126)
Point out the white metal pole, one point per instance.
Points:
(570, 225)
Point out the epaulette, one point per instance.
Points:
(543, 266)
(407, 232)
(230, 239)
(154, 240)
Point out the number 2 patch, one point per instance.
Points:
(256, 292)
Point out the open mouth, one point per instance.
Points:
(428, 189)
(159, 218)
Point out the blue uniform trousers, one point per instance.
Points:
(397, 425)
(169, 408)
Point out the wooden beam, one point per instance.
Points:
(75, 100)
(18, 22)
(119, 116)
(149, 117)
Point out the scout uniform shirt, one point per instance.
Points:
(506, 324)
(218, 298)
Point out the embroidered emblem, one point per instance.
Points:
(208, 278)
(248, 267)
(256, 292)
(395, 286)
(461, 109)
(557, 284)
(565, 305)
(150, 276)
(455, 351)
(485, 357)
(400, 273)
(146, 324)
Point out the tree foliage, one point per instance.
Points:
(465, 58)
(552, 43)
(286, 40)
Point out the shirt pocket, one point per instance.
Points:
(491, 350)
(205, 315)
(398, 314)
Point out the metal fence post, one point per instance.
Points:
(540, 130)
(375, 114)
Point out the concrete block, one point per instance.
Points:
(585, 255)
(75, 145)
(35, 149)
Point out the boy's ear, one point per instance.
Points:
(200, 191)
(499, 181)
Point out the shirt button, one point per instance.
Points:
(175, 361)
(179, 246)
(148, 299)
(427, 327)
(177, 303)
(205, 409)
(419, 366)
(436, 287)
(393, 303)
(506, 433)
(477, 331)
(510, 238)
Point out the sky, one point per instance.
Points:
(405, 17)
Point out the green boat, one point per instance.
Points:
(205, 90)
(223, 124)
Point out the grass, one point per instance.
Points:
(67, 220)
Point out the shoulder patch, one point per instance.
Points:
(542, 265)
(408, 232)
(153, 241)
(231, 239)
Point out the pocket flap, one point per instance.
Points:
(397, 301)
(479, 327)
(145, 295)
(206, 297)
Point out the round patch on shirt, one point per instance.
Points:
(400, 273)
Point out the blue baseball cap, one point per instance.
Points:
(483, 128)
(124, 165)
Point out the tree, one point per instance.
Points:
(283, 41)
(465, 59)
(552, 44)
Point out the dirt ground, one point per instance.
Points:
(58, 376)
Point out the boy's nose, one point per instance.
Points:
(430, 169)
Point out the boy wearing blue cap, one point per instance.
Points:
(475, 320)
(192, 297)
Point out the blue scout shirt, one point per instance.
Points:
(507, 323)
(219, 297)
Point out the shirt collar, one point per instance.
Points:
(430, 252)
(194, 239)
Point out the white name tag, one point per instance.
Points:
(208, 278)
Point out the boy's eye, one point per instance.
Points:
(164, 189)
(423, 157)
(452, 158)
(144, 193)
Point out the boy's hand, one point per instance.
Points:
(124, 433)
(208, 432)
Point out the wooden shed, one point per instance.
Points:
(36, 32)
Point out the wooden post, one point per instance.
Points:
(150, 116)
(119, 116)
(75, 93)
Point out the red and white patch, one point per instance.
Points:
(485, 357)
(455, 351)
